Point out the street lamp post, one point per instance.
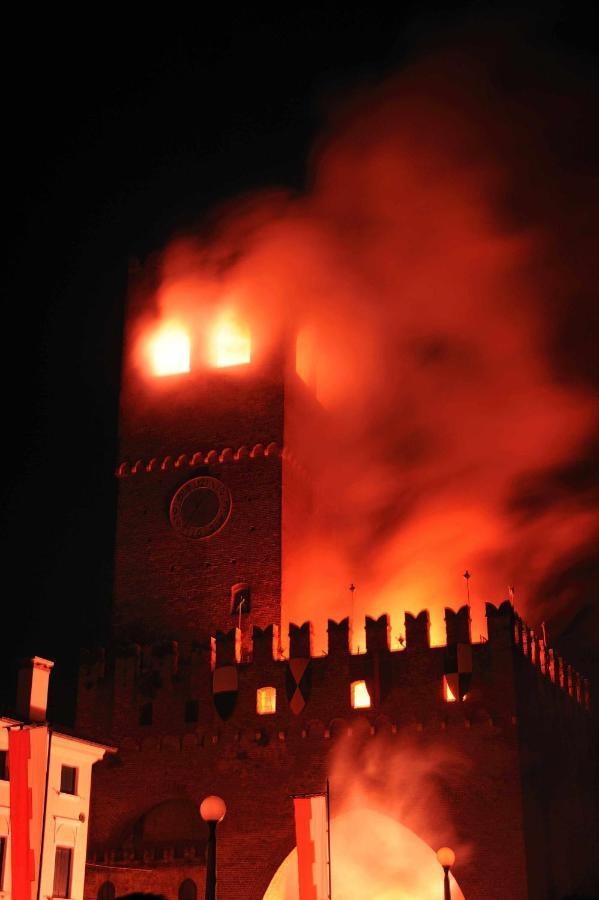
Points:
(212, 811)
(446, 857)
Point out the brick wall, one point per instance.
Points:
(256, 762)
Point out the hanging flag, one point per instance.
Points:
(298, 683)
(458, 669)
(312, 838)
(224, 690)
(28, 754)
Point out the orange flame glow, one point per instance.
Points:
(266, 701)
(360, 698)
(170, 350)
(230, 342)
(447, 692)
(428, 330)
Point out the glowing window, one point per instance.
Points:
(360, 698)
(448, 694)
(231, 343)
(170, 350)
(266, 701)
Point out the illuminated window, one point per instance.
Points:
(231, 343)
(170, 351)
(266, 701)
(360, 698)
(448, 694)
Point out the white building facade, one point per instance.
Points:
(59, 790)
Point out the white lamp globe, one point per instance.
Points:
(213, 809)
(446, 857)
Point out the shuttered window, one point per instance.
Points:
(2, 860)
(62, 872)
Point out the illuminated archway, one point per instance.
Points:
(372, 856)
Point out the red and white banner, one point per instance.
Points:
(28, 759)
(311, 834)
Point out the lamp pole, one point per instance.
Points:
(446, 858)
(212, 811)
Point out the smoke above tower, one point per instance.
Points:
(439, 273)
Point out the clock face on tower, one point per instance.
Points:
(200, 507)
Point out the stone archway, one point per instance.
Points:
(373, 856)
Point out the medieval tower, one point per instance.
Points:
(199, 697)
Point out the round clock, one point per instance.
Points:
(200, 507)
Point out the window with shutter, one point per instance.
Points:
(62, 872)
(2, 860)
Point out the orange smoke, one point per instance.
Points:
(387, 803)
(230, 342)
(422, 272)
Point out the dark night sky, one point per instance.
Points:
(117, 134)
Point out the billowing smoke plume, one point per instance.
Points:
(441, 265)
(385, 789)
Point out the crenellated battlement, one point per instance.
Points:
(174, 688)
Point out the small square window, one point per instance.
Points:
(68, 780)
(266, 701)
(3, 765)
(360, 698)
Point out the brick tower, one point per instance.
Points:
(208, 492)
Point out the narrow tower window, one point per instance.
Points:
(240, 599)
(266, 701)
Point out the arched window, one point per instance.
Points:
(107, 891)
(188, 890)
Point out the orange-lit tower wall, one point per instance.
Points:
(208, 485)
